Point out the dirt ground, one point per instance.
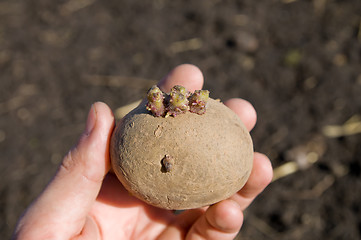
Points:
(297, 62)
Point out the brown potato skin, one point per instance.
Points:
(212, 156)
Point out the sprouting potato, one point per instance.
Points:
(181, 150)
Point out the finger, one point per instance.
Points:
(221, 221)
(178, 229)
(244, 110)
(260, 177)
(66, 201)
(186, 75)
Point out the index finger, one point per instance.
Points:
(186, 75)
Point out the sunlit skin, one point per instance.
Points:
(84, 200)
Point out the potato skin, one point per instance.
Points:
(211, 154)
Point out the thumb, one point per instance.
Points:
(63, 206)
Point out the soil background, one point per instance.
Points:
(297, 62)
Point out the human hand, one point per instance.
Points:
(85, 201)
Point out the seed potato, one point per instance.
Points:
(182, 162)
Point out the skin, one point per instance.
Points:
(86, 201)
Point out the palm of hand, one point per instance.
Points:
(122, 216)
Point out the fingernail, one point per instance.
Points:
(92, 117)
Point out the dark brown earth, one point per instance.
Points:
(297, 62)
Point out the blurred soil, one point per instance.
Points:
(297, 62)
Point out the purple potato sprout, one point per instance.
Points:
(198, 101)
(155, 101)
(177, 101)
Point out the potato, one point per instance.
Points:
(182, 162)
